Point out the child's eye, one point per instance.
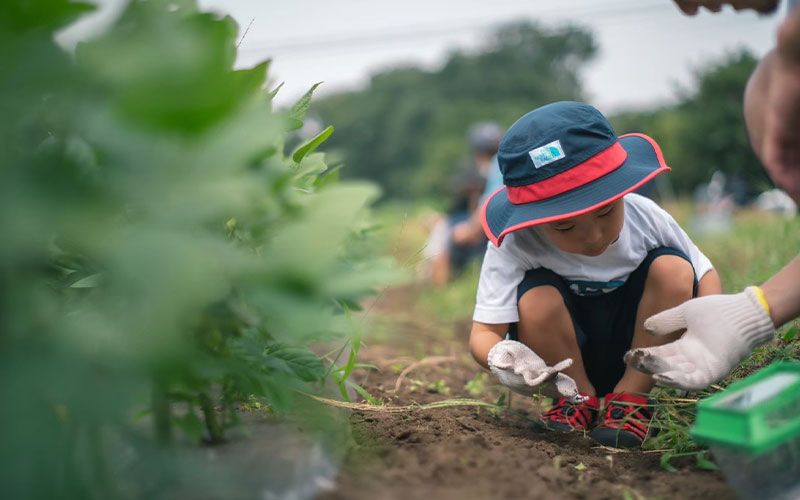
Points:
(605, 214)
(564, 229)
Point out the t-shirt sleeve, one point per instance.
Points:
(501, 273)
(673, 235)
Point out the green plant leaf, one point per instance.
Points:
(705, 463)
(302, 362)
(331, 176)
(311, 145)
(275, 91)
(139, 415)
(333, 368)
(299, 110)
(477, 385)
(355, 345)
(91, 281)
(191, 425)
(364, 394)
(790, 334)
(665, 458)
(343, 389)
(49, 15)
(310, 167)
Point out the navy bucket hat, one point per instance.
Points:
(563, 160)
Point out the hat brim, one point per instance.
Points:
(643, 163)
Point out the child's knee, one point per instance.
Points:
(541, 307)
(671, 276)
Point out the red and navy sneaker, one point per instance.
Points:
(625, 422)
(566, 417)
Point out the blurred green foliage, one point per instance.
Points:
(160, 253)
(756, 247)
(705, 131)
(408, 129)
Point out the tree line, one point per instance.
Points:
(407, 129)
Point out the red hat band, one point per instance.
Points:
(592, 169)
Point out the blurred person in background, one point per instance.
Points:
(470, 231)
(721, 331)
(448, 250)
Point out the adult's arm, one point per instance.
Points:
(772, 108)
(782, 293)
(691, 7)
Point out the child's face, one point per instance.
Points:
(588, 234)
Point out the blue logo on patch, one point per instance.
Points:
(547, 154)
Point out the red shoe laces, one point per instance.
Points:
(632, 416)
(575, 415)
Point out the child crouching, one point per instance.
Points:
(576, 263)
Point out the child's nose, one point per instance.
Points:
(594, 236)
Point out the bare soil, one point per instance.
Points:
(477, 452)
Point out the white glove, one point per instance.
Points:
(721, 332)
(520, 369)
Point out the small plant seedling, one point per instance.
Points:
(440, 387)
(416, 384)
(477, 385)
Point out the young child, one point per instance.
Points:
(577, 263)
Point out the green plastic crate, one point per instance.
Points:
(753, 429)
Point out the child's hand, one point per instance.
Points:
(523, 371)
(721, 331)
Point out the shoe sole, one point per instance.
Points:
(558, 426)
(616, 438)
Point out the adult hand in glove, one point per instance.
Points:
(721, 331)
(523, 371)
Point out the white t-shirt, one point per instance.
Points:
(647, 226)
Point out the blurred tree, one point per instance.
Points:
(712, 135)
(407, 130)
(705, 130)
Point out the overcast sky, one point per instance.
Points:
(647, 47)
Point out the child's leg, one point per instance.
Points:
(670, 282)
(545, 326)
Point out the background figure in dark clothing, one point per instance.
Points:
(449, 256)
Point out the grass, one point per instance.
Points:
(755, 247)
(676, 411)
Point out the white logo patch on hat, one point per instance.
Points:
(547, 154)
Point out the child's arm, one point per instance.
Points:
(515, 364)
(482, 338)
(709, 284)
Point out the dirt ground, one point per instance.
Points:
(476, 452)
